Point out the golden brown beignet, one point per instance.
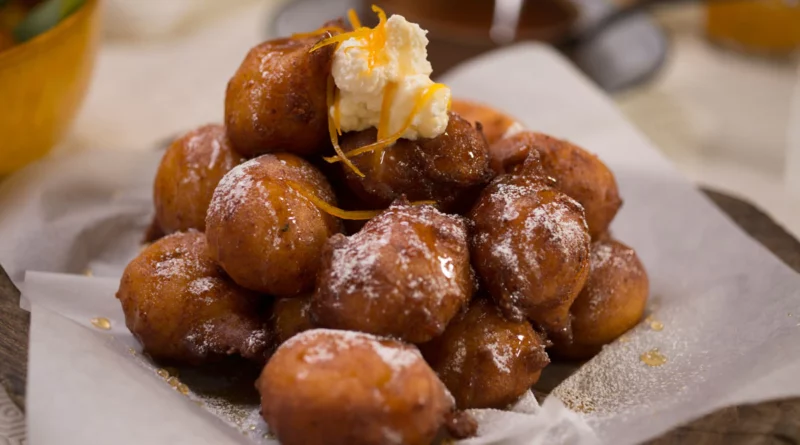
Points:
(291, 316)
(578, 173)
(495, 124)
(348, 388)
(404, 275)
(485, 360)
(448, 169)
(265, 234)
(612, 301)
(276, 101)
(182, 308)
(187, 176)
(530, 247)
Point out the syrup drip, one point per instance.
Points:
(654, 324)
(653, 358)
(101, 323)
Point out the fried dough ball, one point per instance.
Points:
(448, 169)
(404, 275)
(153, 232)
(530, 247)
(612, 301)
(182, 308)
(349, 388)
(276, 101)
(461, 425)
(291, 316)
(263, 231)
(579, 174)
(189, 172)
(485, 360)
(496, 125)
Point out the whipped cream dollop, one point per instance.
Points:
(384, 82)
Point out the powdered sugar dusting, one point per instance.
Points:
(502, 352)
(614, 255)
(460, 356)
(355, 261)
(506, 195)
(567, 232)
(352, 263)
(215, 151)
(202, 285)
(601, 253)
(173, 266)
(233, 189)
(202, 337)
(256, 340)
(327, 344)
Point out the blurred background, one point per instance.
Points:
(715, 83)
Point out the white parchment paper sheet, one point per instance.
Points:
(731, 310)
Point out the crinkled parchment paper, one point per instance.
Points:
(729, 311)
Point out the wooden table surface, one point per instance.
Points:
(775, 422)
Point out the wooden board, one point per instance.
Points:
(766, 423)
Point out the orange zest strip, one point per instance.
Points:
(323, 30)
(383, 124)
(337, 111)
(356, 215)
(330, 209)
(332, 130)
(377, 37)
(382, 143)
(353, 18)
(424, 203)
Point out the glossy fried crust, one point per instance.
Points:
(530, 247)
(495, 124)
(265, 234)
(182, 308)
(578, 173)
(485, 360)
(276, 101)
(189, 172)
(611, 303)
(404, 275)
(291, 316)
(340, 387)
(448, 169)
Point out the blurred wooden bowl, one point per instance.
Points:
(42, 84)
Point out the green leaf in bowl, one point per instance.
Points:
(43, 17)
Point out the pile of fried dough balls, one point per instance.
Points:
(383, 333)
